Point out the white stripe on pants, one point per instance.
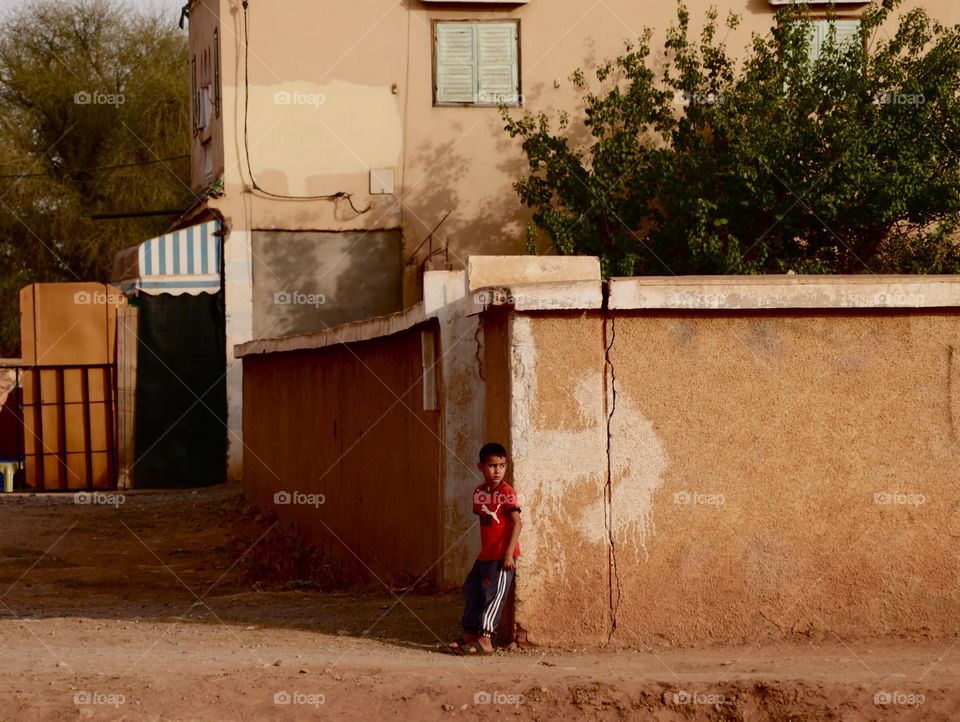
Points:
(490, 615)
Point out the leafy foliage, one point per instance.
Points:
(843, 163)
(85, 85)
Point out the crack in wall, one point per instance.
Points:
(951, 402)
(479, 342)
(610, 399)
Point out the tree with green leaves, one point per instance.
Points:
(94, 119)
(841, 161)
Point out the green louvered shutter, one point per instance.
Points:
(456, 63)
(498, 80)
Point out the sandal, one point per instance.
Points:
(474, 649)
(456, 647)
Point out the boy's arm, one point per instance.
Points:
(514, 538)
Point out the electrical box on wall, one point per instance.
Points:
(381, 181)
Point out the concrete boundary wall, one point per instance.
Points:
(700, 459)
(722, 460)
(456, 436)
(328, 436)
(447, 308)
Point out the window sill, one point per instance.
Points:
(477, 105)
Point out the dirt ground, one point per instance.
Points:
(152, 606)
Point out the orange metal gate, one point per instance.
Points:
(69, 427)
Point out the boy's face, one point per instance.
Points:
(493, 469)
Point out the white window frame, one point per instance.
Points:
(821, 29)
(819, 2)
(478, 101)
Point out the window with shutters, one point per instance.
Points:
(847, 32)
(476, 63)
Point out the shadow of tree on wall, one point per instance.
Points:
(496, 222)
(308, 281)
(513, 163)
(429, 193)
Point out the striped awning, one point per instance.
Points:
(184, 261)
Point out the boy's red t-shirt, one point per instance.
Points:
(493, 508)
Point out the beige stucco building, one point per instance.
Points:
(349, 146)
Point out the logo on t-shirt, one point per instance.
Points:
(493, 513)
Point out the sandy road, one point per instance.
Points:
(139, 611)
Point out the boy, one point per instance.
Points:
(486, 587)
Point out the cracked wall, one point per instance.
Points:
(700, 477)
(585, 509)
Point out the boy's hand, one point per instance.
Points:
(508, 562)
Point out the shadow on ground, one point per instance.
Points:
(199, 556)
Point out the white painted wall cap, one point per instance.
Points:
(784, 291)
(484, 271)
(556, 296)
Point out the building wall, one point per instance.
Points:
(338, 90)
(205, 37)
(769, 473)
(347, 422)
(315, 96)
(310, 281)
